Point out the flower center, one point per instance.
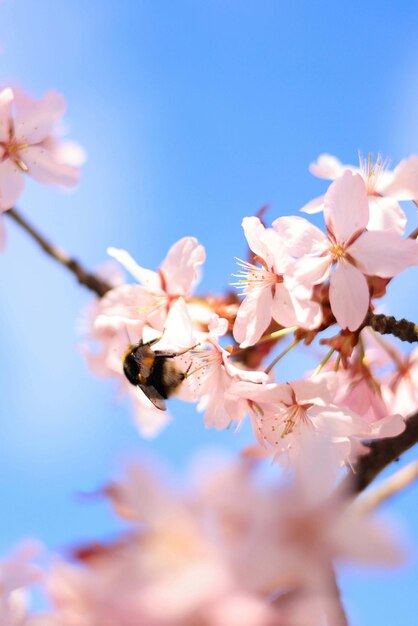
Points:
(11, 151)
(252, 277)
(338, 250)
(296, 415)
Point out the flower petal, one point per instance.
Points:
(46, 169)
(6, 100)
(326, 166)
(346, 208)
(349, 295)
(308, 271)
(253, 317)
(254, 231)
(384, 254)
(180, 268)
(300, 236)
(11, 183)
(35, 119)
(389, 426)
(148, 278)
(292, 309)
(386, 214)
(313, 206)
(403, 184)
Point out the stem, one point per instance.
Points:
(387, 324)
(89, 280)
(276, 334)
(281, 355)
(324, 362)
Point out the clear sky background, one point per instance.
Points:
(193, 114)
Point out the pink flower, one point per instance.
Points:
(384, 188)
(266, 292)
(150, 301)
(28, 146)
(129, 312)
(289, 417)
(212, 376)
(355, 251)
(16, 574)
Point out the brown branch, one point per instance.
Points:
(382, 453)
(89, 280)
(388, 325)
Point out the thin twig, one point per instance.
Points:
(89, 280)
(388, 488)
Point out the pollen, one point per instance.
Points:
(338, 251)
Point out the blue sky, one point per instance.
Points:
(193, 114)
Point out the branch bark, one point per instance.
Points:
(388, 325)
(382, 453)
(84, 277)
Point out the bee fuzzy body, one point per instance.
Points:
(154, 372)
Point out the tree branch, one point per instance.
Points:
(89, 280)
(382, 453)
(388, 325)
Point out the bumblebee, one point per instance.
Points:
(153, 371)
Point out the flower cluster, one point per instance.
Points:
(298, 279)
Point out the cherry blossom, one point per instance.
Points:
(384, 187)
(213, 375)
(288, 417)
(28, 145)
(128, 313)
(150, 301)
(355, 251)
(267, 294)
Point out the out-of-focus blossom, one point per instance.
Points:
(266, 292)
(28, 144)
(219, 553)
(356, 251)
(16, 574)
(384, 188)
(401, 390)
